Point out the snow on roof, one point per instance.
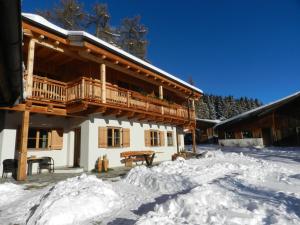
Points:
(257, 110)
(42, 21)
(208, 120)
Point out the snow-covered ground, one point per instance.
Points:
(232, 186)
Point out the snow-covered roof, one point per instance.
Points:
(208, 120)
(259, 110)
(45, 23)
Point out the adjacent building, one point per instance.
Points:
(85, 98)
(276, 124)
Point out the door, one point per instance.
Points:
(77, 143)
(267, 136)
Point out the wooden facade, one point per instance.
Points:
(276, 124)
(76, 79)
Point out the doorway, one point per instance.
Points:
(77, 143)
(267, 136)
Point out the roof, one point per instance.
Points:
(41, 21)
(208, 120)
(262, 110)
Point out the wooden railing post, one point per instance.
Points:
(22, 157)
(128, 99)
(103, 82)
(82, 88)
(30, 63)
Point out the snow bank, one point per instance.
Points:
(215, 205)
(10, 192)
(74, 200)
(225, 189)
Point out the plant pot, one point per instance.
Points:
(99, 165)
(105, 165)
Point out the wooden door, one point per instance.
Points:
(77, 143)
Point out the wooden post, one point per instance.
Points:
(128, 99)
(161, 92)
(30, 63)
(82, 88)
(103, 82)
(194, 139)
(22, 158)
(193, 104)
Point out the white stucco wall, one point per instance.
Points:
(89, 139)
(137, 141)
(247, 142)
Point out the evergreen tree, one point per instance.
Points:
(99, 19)
(133, 37)
(68, 14)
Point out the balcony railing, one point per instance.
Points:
(90, 90)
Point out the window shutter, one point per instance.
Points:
(147, 138)
(126, 137)
(162, 138)
(56, 139)
(102, 137)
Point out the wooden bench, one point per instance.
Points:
(137, 156)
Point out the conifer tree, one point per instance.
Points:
(133, 37)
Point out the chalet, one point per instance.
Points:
(85, 98)
(277, 124)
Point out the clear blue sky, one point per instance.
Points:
(237, 47)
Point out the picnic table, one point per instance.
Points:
(138, 156)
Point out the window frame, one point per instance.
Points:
(170, 138)
(154, 139)
(113, 139)
(38, 138)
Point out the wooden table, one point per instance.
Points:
(30, 161)
(148, 156)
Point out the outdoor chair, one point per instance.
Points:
(9, 166)
(46, 163)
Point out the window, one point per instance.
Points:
(41, 138)
(38, 138)
(247, 134)
(113, 137)
(229, 135)
(170, 138)
(154, 136)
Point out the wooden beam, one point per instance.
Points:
(30, 62)
(194, 140)
(103, 82)
(76, 107)
(22, 157)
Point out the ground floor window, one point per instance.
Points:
(45, 138)
(154, 135)
(229, 135)
(170, 138)
(113, 137)
(247, 134)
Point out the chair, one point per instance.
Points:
(9, 166)
(46, 163)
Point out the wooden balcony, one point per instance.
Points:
(88, 91)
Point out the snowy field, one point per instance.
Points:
(232, 186)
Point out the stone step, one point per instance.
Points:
(69, 170)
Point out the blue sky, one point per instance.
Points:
(230, 47)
